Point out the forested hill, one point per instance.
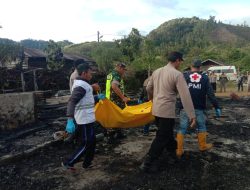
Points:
(199, 32)
(205, 39)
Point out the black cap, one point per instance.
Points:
(121, 64)
(173, 56)
(197, 63)
(82, 68)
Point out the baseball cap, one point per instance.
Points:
(173, 56)
(197, 63)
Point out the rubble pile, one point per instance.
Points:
(10, 80)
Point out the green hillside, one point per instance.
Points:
(195, 37)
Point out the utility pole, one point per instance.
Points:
(99, 37)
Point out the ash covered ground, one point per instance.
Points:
(226, 166)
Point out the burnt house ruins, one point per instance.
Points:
(35, 58)
(32, 73)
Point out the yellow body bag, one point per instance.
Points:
(110, 115)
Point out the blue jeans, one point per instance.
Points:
(200, 121)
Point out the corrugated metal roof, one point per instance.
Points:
(34, 52)
(216, 62)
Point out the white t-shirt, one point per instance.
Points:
(72, 78)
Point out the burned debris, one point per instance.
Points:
(36, 156)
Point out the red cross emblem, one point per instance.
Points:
(195, 77)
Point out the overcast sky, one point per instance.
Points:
(79, 20)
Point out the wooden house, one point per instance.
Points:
(209, 63)
(34, 58)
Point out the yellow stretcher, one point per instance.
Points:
(110, 115)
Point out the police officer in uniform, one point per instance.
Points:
(115, 92)
(163, 87)
(200, 88)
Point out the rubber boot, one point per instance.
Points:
(203, 146)
(179, 150)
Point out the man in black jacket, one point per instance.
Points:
(200, 89)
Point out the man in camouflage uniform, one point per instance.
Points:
(115, 92)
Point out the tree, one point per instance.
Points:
(131, 46)
(105, 56)
(235, 54)
(9, 51)
(55, 55)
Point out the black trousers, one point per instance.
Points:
(164, 138)
(86, 143)
(240, 86)
(213, 84)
